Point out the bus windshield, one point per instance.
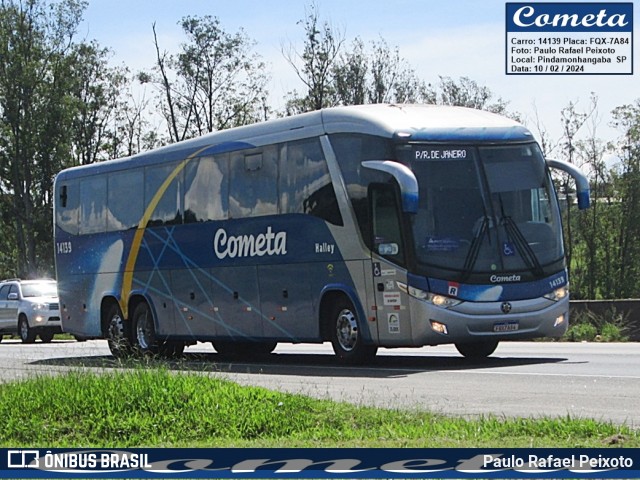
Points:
(484, 210)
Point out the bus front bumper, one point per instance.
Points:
(484, 321)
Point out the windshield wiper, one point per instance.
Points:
(526, 252)
(474, 249)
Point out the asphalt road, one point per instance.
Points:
(527, 379)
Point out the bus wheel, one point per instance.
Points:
(117, 333)
(145, 341)
(346, 338)
(477, 349)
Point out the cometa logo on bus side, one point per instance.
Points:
(268, 243)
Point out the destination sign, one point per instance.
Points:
(442, 154)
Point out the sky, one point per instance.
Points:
(453, 38)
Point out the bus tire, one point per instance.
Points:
(117, 332)
(145, 341)
(477, 350)
(346, 337)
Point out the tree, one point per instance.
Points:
(602, 242)
(466, 93)
(214, 82)
(335, 76)
(57, 98)
(627, 183)
(378, 76)
(95, 89)
(131, 131)
(351, 74)
(392, 79)
(314, 66)
(572, 122)
(35, 108)
(589, 237)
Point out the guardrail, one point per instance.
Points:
(628, 309)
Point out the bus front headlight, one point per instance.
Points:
(558, 293)
(442, 300)
(433, 298)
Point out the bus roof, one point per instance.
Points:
(406, 122)
(424, 123)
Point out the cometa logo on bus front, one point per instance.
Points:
(268, 243)
(504, 278)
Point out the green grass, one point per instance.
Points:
(157, 408)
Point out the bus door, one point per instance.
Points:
(391, 303)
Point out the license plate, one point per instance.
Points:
(506, 327)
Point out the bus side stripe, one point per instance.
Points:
(127, 280)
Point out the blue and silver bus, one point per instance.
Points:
(366, 226)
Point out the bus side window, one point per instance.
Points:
(93, 205)
(68, 207)
(253, 182)
(125, 200)
(168, 211)
(305, 183)
(206, 189)
(387, 233)
(351, 150)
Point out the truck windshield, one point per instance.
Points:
(484, 210)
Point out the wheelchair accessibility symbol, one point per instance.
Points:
(508, 249)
